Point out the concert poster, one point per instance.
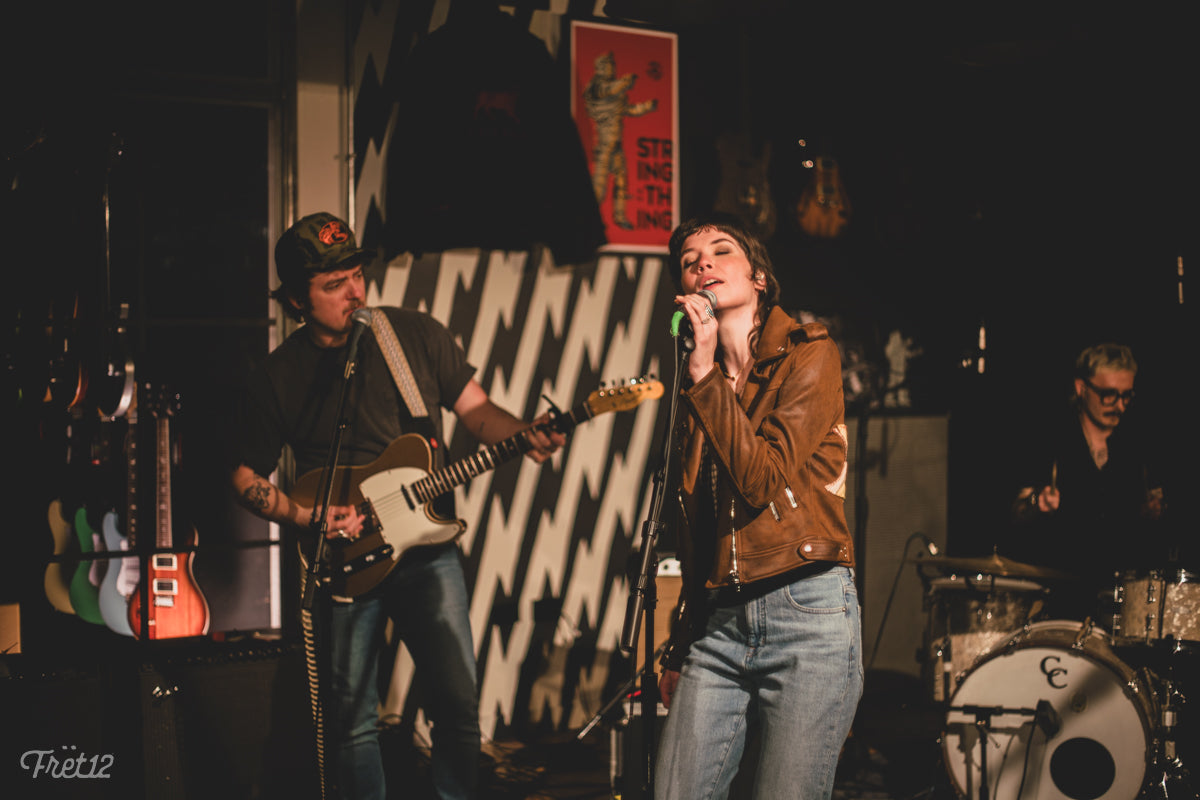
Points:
(624, 98)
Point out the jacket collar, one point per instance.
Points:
(780, 334)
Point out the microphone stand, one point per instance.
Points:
(644, 594)
(983, 724)
(320, 519)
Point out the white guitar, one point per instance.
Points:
(395, 492)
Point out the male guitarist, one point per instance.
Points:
(292, 399)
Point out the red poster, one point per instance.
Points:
(624, 97)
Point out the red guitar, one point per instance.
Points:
(174, 605)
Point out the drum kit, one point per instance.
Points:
(1064, 709)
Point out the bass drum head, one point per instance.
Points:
(1094, 745)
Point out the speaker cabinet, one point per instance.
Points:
(896, 488)
(65, 732)
(230, 724)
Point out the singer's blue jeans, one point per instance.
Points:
(788, 663)
(426, 596)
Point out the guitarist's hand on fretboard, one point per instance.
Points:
(543, 439)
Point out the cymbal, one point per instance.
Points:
(995, 564)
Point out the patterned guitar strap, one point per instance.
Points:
(397, 363)
(402, 375)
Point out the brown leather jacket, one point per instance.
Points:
(779, 453)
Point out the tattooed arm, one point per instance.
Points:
(263, 498)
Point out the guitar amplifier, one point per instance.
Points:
(228, 721)
(65, 732)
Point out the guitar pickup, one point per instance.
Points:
(367, 559)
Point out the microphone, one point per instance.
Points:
(362, 321)
(679, 318)
(1047, 719)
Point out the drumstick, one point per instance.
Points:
(1054, 477)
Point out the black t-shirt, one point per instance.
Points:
(292, 398)
(1099, 529)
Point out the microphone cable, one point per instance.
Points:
(931, 548)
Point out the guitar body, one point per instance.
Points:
(745, 190)
(57, 585)
(823, 210)
(394, 526)
(395, 492)
(85, 584)
(177, 607)
(120, 580)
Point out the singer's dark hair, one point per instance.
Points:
(282, 295)
(752, 246)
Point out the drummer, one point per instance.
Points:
(1092, 504)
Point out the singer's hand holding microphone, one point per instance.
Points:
(696, 320)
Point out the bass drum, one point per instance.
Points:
(1065, 719)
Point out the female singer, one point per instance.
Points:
(768, 636)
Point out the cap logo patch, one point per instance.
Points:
(333, 233)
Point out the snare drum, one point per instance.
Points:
(1097, 741)
(1157, 605)
(968, 616)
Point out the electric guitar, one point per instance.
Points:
(56, 582)
(745, 189)
(823, 210)
(175, 607)
(121, 579)
(85, 584)
(395, 492)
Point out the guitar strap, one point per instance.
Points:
(397, 363)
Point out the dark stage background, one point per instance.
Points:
(1032, 174)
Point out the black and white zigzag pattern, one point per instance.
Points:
(547, 548)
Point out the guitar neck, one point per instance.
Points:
(439, 482)
(162, 505)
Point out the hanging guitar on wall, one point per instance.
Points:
(119, 529)
(167, 595)
(823, 210)
(745, 189)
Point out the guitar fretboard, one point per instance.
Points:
(131, 479)
(163, 484)
(437, 483)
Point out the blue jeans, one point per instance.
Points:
(788, 663)
(426, 596)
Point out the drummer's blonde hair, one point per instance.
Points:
(1104, 356)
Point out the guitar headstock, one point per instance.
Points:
(159, 401)
(624, 395)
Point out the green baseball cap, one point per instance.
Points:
(317, 243)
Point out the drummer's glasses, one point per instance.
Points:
(1109, 397)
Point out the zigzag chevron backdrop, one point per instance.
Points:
(547, 547)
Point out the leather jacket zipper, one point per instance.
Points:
(733, 553)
